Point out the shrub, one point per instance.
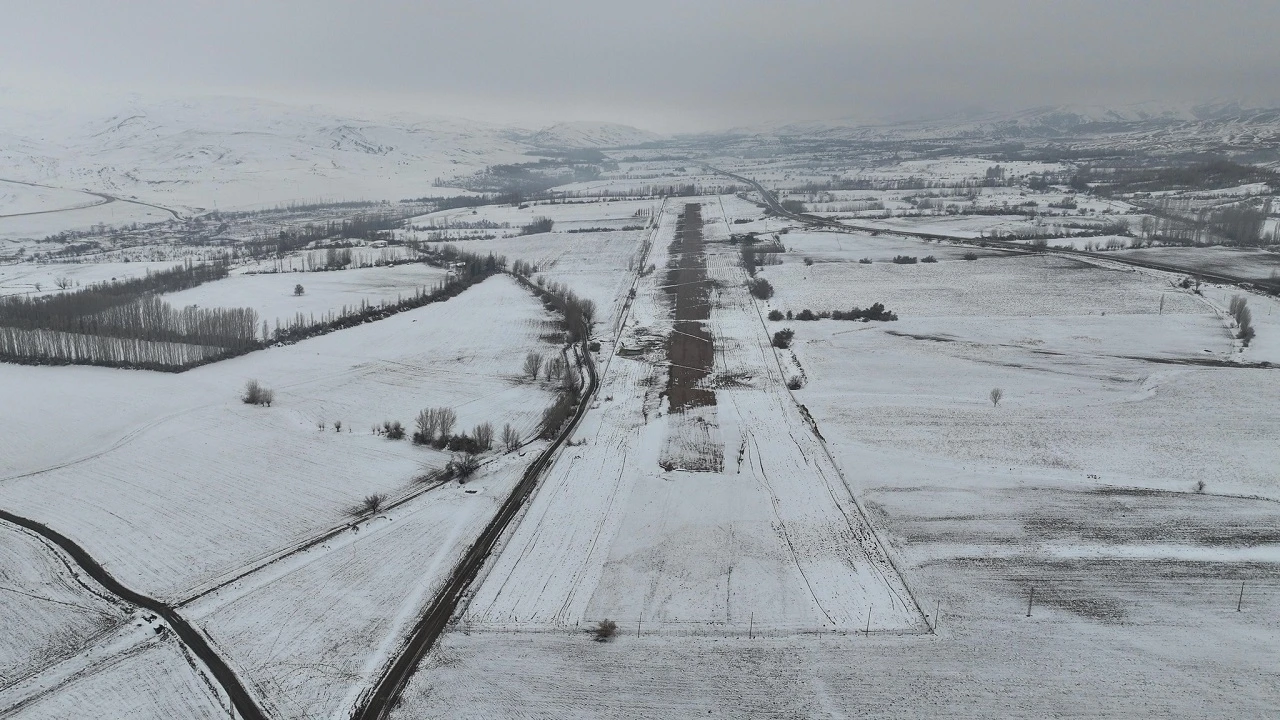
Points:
(463, 466)
(806, 315)
(267, 397)
(605, 630)
(865, 261)
(996, 395)
(775, 315)
(760, 288)
(373, 503)
(929, 259)
(904, 260)
(393, 430)
(971, 256)
(1200, 486)
(252, 393)
(808, 261)
(594, 346)
(483, 434)
(510, 437)
(782, 338)
(795, 383)
(337, 426)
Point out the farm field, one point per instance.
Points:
(34, 280)
(1082, 482)
(686, 551)
(272, 294)
(382, 371)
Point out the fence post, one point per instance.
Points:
(1031, 598)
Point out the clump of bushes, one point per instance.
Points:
(795, 383)
(865, 261)
(929, 259)
(256, 394)
(971, 256)
(782, 338)
(760, 288)
(904, 260)
(393, 430)
(775, 315)
(876, 312)
(539, 225)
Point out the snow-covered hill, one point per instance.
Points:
(591, 135)
(231, 152)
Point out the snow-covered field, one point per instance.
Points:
(1081, 483)
(35, 279)
(773, 542)
(864, 545)
(209, 484)
(272, 294)
(50, 610)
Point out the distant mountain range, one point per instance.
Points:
(1229, 123)
(234, 152)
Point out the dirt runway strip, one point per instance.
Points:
(690, 349)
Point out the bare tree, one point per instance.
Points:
(63, 283)
(337, 426)
(483, 435)
(510, 437)
(996, 395)
(373, 503)
(428, 422)
(268, 396)
(447, 418)
(532, 365)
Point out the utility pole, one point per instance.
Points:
(638, 624)
(751, 627)
(1240, 601)
(868, 622)
(937, 608)
(1031, 598)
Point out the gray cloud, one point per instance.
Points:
(664, 64)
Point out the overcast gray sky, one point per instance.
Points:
(660, 64)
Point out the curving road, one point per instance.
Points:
(244, 703)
